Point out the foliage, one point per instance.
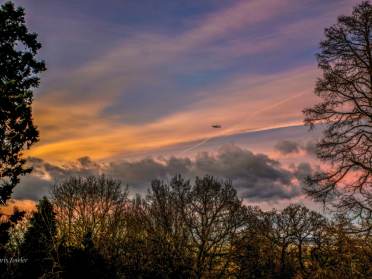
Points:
(84, 262)
(7, 223)
(19, 69)
(39, 243)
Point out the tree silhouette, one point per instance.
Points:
(254, 249)
(19, 69)
(303, 225)
(39, 246)
(182, 230)
(166, 227)
(213, 214)
(92, 204)
(6, 223)
(346, 112)
(84, 262)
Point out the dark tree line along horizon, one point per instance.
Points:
(90, 228)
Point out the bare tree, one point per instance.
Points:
(192, 227)
(346, 113)
(281, 235)
(338, 254)
(94, 205)
(132, 255)
(168, 235)
(255, 250)
(304, 225)
(214, 215)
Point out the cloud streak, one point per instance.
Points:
(102, 138)
(248, 65)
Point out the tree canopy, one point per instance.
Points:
(19, 75)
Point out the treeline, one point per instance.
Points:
(90, 228)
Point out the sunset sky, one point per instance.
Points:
(133, 87)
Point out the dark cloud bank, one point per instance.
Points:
(255, 176)
(287, 147)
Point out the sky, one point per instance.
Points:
(133, 87)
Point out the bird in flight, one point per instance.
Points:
(216, 126)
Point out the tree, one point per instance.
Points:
(339, 254)
(85, 261)
(304, 225)
(39, 245)
(189, 229)
(92, 204)
(345, 111)
(135, 257)
(281, 235)
(213, 215)
(7, 223)
(169, 237)
(19, 69)
(254, 250)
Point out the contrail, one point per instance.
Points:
(268, 108)
(204, 141)
(197, 145)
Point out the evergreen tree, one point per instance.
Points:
(19, 69)
(85, 262)
(39, 243)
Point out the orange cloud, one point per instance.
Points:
(71, 111)
(26, 205)
(246, 103)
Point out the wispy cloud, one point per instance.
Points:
(153, 89)
(246, 103)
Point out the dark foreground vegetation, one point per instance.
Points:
(91, 229)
